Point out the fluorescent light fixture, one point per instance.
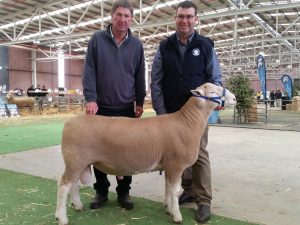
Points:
(81, 24)
(61, 69)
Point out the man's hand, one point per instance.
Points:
(91, 108)
(218, 108)
(139, 111)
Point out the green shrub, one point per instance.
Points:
(240, 86)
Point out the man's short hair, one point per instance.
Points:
(122, 3)
(186, 5)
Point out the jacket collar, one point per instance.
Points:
(190, 38)
(194, 37)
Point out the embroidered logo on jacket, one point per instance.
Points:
(196, 52)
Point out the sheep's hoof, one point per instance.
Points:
(78, 208)
(168, 212)
(177, 220)
(59, 221)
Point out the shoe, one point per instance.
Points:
(185, 197)
(98, 201)
(203, 213)
(125, 201)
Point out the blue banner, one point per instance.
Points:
(287, 83)
(261, 69)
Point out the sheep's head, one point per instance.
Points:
(215, 93)
(9, 96)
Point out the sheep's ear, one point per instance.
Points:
(197, 92)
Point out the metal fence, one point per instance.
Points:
(282, 117)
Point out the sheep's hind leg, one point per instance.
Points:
(62, 195)
(75, 197)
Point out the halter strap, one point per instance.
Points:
(218, 99)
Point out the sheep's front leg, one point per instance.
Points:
(175, 190)
(75, 197)
(61, 208)
(173, 181)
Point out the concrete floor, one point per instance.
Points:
(255, 173)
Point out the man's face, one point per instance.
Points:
(185, 21)
(121, 19)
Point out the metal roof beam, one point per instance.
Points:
(29, 10)
(163, 23)
(227, 14)
(229, 42)
(263, 24)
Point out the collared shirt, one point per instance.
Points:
(182, 46)
(111, 33)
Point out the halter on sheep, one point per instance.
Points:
(217, 99)
(126, 146)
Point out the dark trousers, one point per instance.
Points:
(196, 180)
(102, 183)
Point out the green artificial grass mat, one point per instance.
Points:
(31, 200)
(30, 136)
(20, 134)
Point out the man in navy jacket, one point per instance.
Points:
(184, 61)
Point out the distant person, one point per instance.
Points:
(18, 91)
(30, 91)
(278, 96)
(258, 96)
(272, 98)
(44, 91)
(285, 99)
(37, 90)
(38, 96)
(42, 96)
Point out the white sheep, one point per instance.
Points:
(21, 102)
(126, 146)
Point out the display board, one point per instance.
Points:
(3, 111)
(12, 110)
(9, 111)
